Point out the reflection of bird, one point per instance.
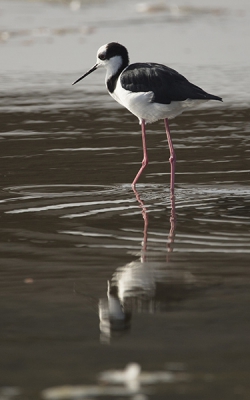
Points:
(148, 90)
(113, 317)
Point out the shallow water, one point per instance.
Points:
(95, 276)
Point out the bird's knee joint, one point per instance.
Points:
(172, 159)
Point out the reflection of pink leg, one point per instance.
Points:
(145, 154)
(172, 219)
(145, 217)
(172, 158)
(171, 235)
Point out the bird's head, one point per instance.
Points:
(113, 56)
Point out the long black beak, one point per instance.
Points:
(87, 73)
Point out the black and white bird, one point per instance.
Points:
(150, 91)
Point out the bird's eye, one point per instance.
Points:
(102, 56)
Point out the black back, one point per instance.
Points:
(166, 83)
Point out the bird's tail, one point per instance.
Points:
(213, 97)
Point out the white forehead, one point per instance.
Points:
(102, 49)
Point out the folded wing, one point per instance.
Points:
(166, 84)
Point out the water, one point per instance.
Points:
(94, 277)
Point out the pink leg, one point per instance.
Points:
(145, 154)
(172, 158)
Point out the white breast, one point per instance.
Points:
(140, 104)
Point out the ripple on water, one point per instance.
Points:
(209, 219)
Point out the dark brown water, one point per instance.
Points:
(91, 278)
(70, 222)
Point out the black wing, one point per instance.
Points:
(166, 83)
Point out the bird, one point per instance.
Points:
(150, 91)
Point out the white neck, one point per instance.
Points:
(112, 66)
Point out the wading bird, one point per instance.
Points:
(150, 91)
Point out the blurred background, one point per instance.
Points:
(63, 36)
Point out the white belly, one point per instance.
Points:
(140, 104)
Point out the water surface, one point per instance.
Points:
(94, 276)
